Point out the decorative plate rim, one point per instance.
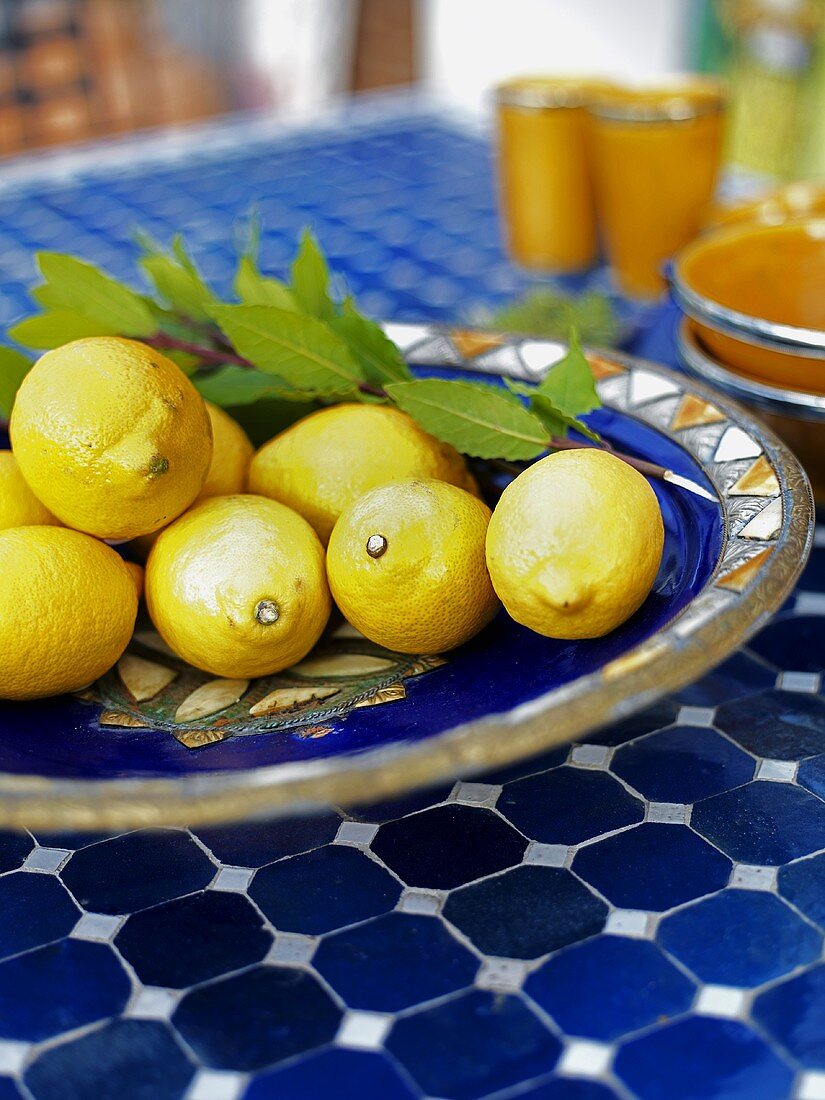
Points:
(767, 510)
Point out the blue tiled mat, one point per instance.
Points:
(638, 916)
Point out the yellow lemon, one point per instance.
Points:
(138, 575)
(67, 611)
(237, 586)
(406, 566)
(575, 543)
(19, 507)
(111, 436)
(326, 461)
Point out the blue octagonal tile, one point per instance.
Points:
(136, 870)
(658, 716)
(124, 1060)
(742, 674)
(14, 847)
(343, 1074)
(9, 1090)
(683, 764)
(780, 725)
(258, 1018)
(740, 938)
(36, 910)
(394, 961)
(473, 1045)
(378, 812)
(811, 775)
(448, 846)
(794, 1014)
(803, 884)
(794, 643)
(60, 987)
(189, 940)
(569, 805)
(569, 1088)
(265, 841)
(526, 912)
(323, 890)
(813, 576)
(609, 986)
(765, 823)
(653, 867)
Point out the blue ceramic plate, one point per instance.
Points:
(353, 722)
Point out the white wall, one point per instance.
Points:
(468, 45)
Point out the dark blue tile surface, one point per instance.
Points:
(192, 939)
(323, 890)
(344, 1074)
(739, 938)
(683, 764)
(652, 866)
(792, 642)
(472, 1045)
(702, 1059)
(9, 1089)
(569, 1089)
(793, 1012)
(569, 805)
(740, 675)
(255, 1019)
(609, 986)
(526, 912)
(35, 909)
(803, 884)
(811, 775)
(780, 725)
(125, 1060)
(654, 718)
(763, 822)
(448, 846)
(264, 842)
(14, 847)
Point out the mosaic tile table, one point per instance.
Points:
(639, 916)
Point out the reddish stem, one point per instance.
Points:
(164, 342)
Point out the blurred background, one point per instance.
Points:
(72, 70)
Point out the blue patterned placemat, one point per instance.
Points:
(638, 916)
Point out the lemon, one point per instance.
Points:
(68, 607)
(406, 566)
(138, 574)
(111, 436)
(575, 543)
(19, 507)
(327, 460)
(237, 586)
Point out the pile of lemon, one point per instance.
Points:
(245, 551)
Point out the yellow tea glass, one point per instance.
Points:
(655, 155)
(546, 191)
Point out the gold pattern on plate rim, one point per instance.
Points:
(696, 641)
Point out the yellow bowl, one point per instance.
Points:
(756, 296)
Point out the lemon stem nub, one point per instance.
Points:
(266, 612)
(376, 545)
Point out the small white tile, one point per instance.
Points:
(635, 923)
(421, 901)
(153, 1003)
(806, 682)
(810, 603)
(233, 880)
(819, 535)
(695, 716)
(591, 756)
(503, 975)
(546, 855)
(358, 834)
(722, 1000)
(476, 794)
(583, 1058)
(750, 876)
(46, 859)
(13, 1055)
(363, 1030)
(292, 947)
(810, 1086)
(779, 771)
(98, 927)
(216, 1084)
(670, 813)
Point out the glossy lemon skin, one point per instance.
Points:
(575, 543)
(209, 571)
(111, 436)
(19, 507)
(429, 590)
(330, 458)
(67, 611)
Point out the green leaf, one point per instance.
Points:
(13, 369)
(232, 385)
(310, 279)
(58, 327)
(555, 421)
(302, 351)
(478, 419)
(379, 357)
(569, 384)
(77, 286)
(179, 285)
(255, 289)
(548, 313)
